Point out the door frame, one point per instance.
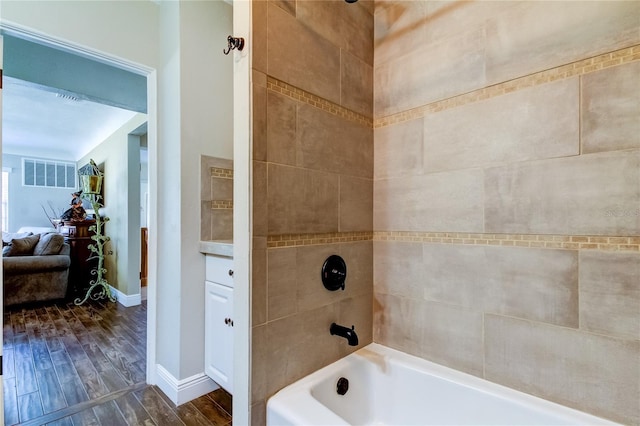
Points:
(1, 266)
(152, 96)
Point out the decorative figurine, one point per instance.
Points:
(76, 212)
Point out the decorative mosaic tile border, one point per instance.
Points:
(316, 101)
(221, 204)
(293, 240)
(581, 67)
(569, 242)
(221, 173)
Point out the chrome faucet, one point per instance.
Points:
(347, 333)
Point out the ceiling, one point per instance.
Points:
(59, 105)
(44, 122)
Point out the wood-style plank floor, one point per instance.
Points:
(85, 365)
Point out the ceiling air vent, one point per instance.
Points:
(67, 97)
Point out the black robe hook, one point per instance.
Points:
(234, 43)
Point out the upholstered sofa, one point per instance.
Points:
(35, 268)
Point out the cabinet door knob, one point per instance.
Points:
(230, 272)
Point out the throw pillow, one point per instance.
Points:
(8, 236)
(22, 246)
(50, 243)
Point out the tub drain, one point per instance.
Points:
(343, 386)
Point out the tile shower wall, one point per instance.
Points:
(312, 185)
(216, 198)
(507, 194)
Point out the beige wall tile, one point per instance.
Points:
(308, 265)
(258, 78)
(537, 284)
(222, 224)
(452, 336)
(259, 281)
(259, 413)
(259, 367)
(222, 163)
(206, 163)
(447, 335)
(398, 149)
(347, 26)
(298, 345)
(398, 269)
(308, 262)
(205, 220)
(205, 178)
(281, 129)
(399, 29)
(573, 196)
(281, 283)
(328, 142)
(450, 201)
(610, 293)
(356, 204)
(395, 323)
(301, 200)
(535, 36)
(260, 211)
(358, 257)
(610, 106)
(221, 189)
(288, 6)
(404, 26)
(356, 84)
(259, 40)
(259, 122)
(505, 128)
(356, 312)
(298, 56)
(433, 72)
(593, 373)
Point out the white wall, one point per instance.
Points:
(176, 39)
(207, 128)
(121, 194)
(25, 201)
(196, 115)
(122, 29)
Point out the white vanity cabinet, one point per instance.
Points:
(218, 328)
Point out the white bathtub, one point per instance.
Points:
(388, 387)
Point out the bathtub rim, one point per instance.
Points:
(299, 393)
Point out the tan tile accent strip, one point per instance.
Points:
(569, 242)
(316, 101)
(584, 66)
(293, 240)
(221, 204)
(221, 173)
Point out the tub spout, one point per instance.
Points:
(347, 333)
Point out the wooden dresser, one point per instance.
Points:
(78, 236)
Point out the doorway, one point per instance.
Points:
(150, 137)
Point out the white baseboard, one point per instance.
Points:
(143, 293)
(126, 300)
(185, 390)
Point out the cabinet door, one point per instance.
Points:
(219, 334)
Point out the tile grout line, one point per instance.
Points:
(573, 69)
(75, 409)
(542, 241)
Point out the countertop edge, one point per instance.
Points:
(217, 247)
